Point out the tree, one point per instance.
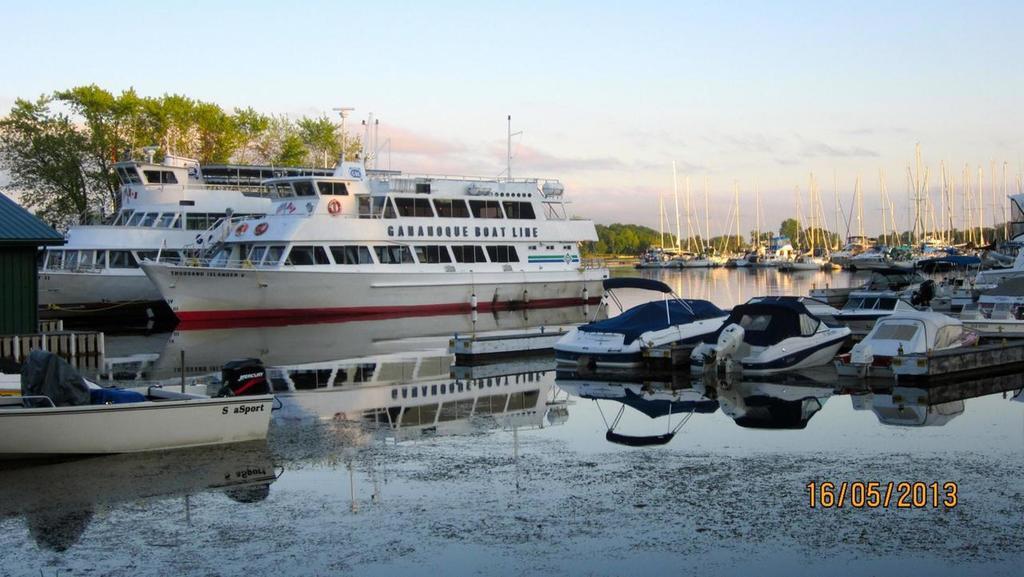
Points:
(251, 127)
(48, 161)
(323, 139)
(790, 228)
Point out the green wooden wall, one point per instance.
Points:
(19, 296)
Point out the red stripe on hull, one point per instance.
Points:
(214, 319)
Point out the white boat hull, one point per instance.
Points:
(210, 294)
(132, 427)
(95, 289)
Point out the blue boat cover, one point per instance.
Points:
(783, 321)
(637, 283)
(114, 396)
(651, 317)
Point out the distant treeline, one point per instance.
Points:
(59, 148)
(633, 239)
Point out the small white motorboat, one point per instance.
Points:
(769, 335)
(863, 309)
(897, 342)
(59, 413)
(619, 342)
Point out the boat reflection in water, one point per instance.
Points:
(206, 350)
(58, 500)
(503, 396)
(782, 402)
(933, 405)
(655, 400)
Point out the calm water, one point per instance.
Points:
(506, 469)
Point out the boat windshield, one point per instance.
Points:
(893, 331)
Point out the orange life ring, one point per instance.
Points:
(334, 207)
(261, 228)
(240, 230)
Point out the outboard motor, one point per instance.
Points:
(728, 344)
(243, 377)
(923, 296)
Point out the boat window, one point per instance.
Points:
(333, 188)
(502, 253)
(87, 259)
(389, 210)
(284, 190)
(468, 253)
(413, 206)
(123, 217)
(129, 175)
(149, 219)
(146, 255)
(274, 253)
(70, 259)
(160, 177)
(870, 303)
(303, 188)
(221, 256)
(895, 332)
(887, 303)
(522, 210)
(755, 322)
(351, 255)
(808, 325)
(54, 259)
(136, 219)
(122, 259)
(320, 255)
(256, 254)
(300, 256)
(948, 336)
(166, 219)
(451, 208)
(485, 208)
(853, 304)
(432, 254)
(196, 221)
(393, 254)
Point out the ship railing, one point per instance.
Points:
(253, 190)
(461, 177)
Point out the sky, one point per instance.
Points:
(606, 95)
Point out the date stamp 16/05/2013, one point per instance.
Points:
(882, 495)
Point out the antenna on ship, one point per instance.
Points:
(343, 112)
(508, 168)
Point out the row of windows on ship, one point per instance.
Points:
(299, 255)
(379, 207)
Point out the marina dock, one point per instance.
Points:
(469, 350)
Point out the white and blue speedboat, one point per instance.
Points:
(769, 335)
(619, 342)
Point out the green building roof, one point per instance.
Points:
(20, 227)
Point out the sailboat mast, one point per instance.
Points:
(675, 195)
(736, 186)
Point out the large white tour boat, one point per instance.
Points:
(165, 208)
(347, 244)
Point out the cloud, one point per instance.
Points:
(533, 160)
(409, 142)
(817, 148)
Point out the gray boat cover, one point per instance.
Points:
(46, 374)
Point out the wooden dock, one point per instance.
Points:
(470, 350)
(978, 360)
(83, 349)
(668, 356)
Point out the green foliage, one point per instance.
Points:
(625, 239)
(64, 163)
(48, 159)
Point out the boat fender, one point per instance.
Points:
(473, 301)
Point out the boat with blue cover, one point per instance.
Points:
(620, 341)
(769, 335)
